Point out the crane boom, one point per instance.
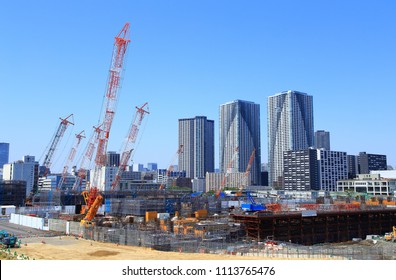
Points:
(128, 144)
(111, 96)
(170, 168)
(70, 158)
(249, 166)
(87, 157)
(229, 166)
(54, 143)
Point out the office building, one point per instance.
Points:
(107, 176)
(353, 166)
(332, 168)
(290, 127)
(137, 167)
(151, 166)
(13, 192)
(301, 170)
(322, 139)
(113, 159)
(4, 153)
(26, 169)
(369, 162)
(239, 136)
(370, 184)
(197, 137)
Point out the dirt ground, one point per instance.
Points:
(71, 248)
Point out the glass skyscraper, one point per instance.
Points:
(4, 153)
(290, 127)
(240, 130)
(197, 137)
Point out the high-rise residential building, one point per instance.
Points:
(332, 168)
(197, 137)
(4, 153)
(113, 159)
(301, 171)
(290, 127)
(239, 137)
(322, 139)
(26, 169)
(369, 162)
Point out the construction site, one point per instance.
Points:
(243, 222)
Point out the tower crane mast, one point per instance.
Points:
(128, 143)
(70, 158)
(54, 143)
(113, 85)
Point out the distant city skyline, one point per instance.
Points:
(186, 59)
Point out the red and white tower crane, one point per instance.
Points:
(87, 157)
(128, 143)
(54, 143)
(70, 158)
(170, 168)
(227, 171)
(249, 166)
(111, 97)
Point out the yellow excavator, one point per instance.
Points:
(391, 236)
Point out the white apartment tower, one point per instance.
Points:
(290, 127)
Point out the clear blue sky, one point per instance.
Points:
(188, 57)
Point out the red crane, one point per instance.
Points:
(128, 144)
(113, 85)
(54, 143)
(87, 157)
(70, 158)
(247, 172)
(170, 168)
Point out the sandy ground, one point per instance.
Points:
(70, 248)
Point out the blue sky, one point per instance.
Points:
(188, 57)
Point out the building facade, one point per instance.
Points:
(197, 137)
(301, 170)
(239, 136)
(26, 169)
(290, 127)
(322, 139)
(370, 184)
(151, 166)
(112, 159)
(332, 167)
(353, 166)
(4, 153)
(12, 193)
(231, 180)
(369, 162)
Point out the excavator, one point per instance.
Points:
(391, 236)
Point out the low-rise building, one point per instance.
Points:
(371, 184)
